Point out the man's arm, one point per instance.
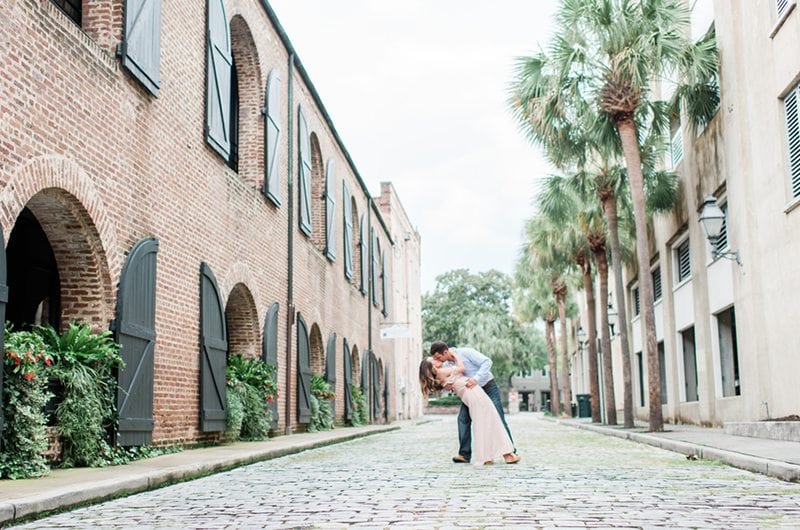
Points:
(483, 363)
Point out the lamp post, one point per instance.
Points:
(612, 318)
(581, 334)
(712, 219)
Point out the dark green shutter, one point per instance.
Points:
(330, 367)
(376, 251)
(269, 353)
(219, 60)
(330, 213)
(363, 243)
(3, 302)
(347, 208)
(384, 309)
(386, 393)
(213, 353)
(348, 381)
(375, 386)
(141, 49)
(272, 135)
(303, 373)
(304, 195)
(135, 331)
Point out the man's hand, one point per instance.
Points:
(448, 386)
(471, 382)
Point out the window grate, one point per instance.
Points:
(793, 135)
(676, 146)
(722, 241)
(684, 261)
(636, 306)
(780, 6)
(657, 291)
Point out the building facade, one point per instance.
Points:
(725, 316)
(168, 170)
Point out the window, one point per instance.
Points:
(635, 299)
(384, 307)
(728, 353)
(793, 137)
(219, 63)
(676, 144)
(363, 244)
(348, 231)
(330, 213)
(780, 6)
(662, 369)
(657, 291)
(689, 364)
(72, 8)
(376, 252)
(304, 180)
(683, 262)
(233, 157)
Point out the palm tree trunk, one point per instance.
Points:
(566, 391)
(555, 403)
(610, 210)
(605, 337)
(633, 162)
(591, 316)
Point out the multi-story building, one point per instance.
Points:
(726, 316)
(168, 169)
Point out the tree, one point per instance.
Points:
(605, 55)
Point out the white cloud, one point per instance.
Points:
(417, 91)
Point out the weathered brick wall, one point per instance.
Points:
(102, 164)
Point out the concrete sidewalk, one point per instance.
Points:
(65, 488)
(775, 458)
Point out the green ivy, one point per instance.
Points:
(360, 413)
(234, 411)
(250, 385)
(24, 397)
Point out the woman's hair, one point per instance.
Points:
(427, 378)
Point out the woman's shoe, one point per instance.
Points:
(488, 463)
(512, 458)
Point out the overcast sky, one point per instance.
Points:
(417, 91)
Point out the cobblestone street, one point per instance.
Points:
(567, 478)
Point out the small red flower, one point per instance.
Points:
(29, 376)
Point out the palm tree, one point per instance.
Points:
(580, 225)
(533, 299)
(605, 55)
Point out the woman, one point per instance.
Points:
(489, 438)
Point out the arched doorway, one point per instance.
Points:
(241, 319)
(316, 351)
(57, 267)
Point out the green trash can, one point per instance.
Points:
(584, 405)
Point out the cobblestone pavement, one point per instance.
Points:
(567, 478)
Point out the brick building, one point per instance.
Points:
(169, 170)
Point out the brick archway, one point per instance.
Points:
(241, 319)
(317, 351)
(74, 219)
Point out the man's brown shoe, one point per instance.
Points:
(458, 459)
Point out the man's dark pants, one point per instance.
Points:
(465, 421)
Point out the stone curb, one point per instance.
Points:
(765, 466)
(137, 482)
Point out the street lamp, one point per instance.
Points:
(581, 337)
(712, 218)
(612, 318)
(582, 342)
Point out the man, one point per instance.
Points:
(477, 368)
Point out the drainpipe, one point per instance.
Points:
(290, 287)
(370, 294)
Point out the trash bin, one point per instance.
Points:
(573, 410)
(584, 405)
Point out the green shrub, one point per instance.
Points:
(256, 420)
(23, 400)
(445, 401)
(322, 418)
(250, 386)
(360, 412)
(83, 364)
(235, 411)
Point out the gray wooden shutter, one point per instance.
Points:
(219, 60)
(330, 367)
(272, 135)
(376, 251)
(3, 302)
(330, 213)
(135, 331)
(375, 390)
(141, 48)
(386, 393)
(793, 134)
(269, 353)
(304, 195)
(384, 308)
(363, 243)
(213, 353)
(348, 381)
(303, 373)
(347, 208)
